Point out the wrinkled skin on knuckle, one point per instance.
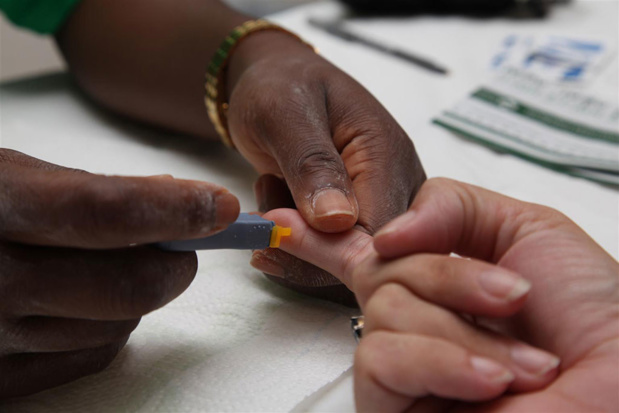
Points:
(318, 162)
(349, 257)
(378, 155)
(362, 278)
(372, 152)
(533, 217)
(366, 117)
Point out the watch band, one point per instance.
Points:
(216, 104)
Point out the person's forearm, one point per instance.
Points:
(146, 59)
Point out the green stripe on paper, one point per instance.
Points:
(505, 149)
(519, 141)
(548, 119)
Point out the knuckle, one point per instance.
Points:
(350, 258)
(386, 305)
(316, 159)
(364, 277)
(535, 218)
(367, 118)
(360, 278)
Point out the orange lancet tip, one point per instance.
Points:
(276, 235)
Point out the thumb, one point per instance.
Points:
(77, 209)
(320, 185)
(450, 216)
(313, 169)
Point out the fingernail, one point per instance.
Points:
(492, 370)
(534, 361)
(397, 224)
(331, 203)
(226, 208)
(263, 263)
(504, 285)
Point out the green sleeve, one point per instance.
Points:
(42, 16)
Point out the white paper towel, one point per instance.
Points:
(233, 341)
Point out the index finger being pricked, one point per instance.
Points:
(76, 209)
(337, 254)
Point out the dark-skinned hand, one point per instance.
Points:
(292, 114)
(75, 276)
(341, 158)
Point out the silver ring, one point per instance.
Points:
(356, 323)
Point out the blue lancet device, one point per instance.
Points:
(248, 232)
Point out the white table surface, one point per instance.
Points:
(414, 96)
